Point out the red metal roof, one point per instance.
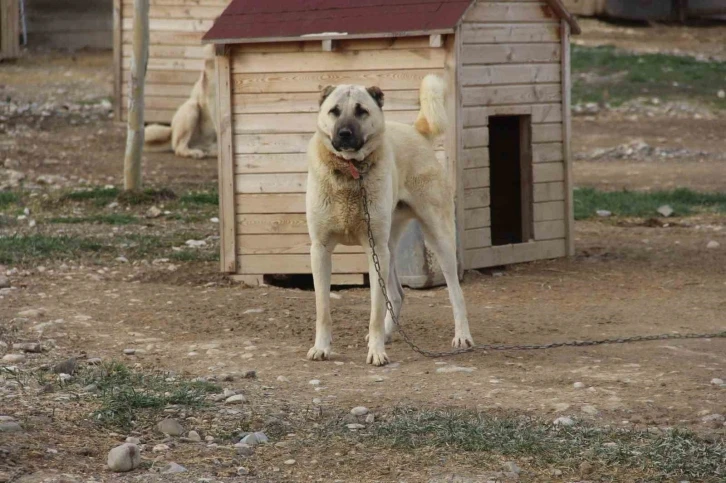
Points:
(260, 20)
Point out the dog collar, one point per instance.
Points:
(351, 169)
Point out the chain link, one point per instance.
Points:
(500, 347)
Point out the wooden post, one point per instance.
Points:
(566, 139)
(135, 132)
(225, 140)
(117, 59)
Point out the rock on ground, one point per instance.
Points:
(173, 468)
(564, 421)
(170, 427)
(124, 458)
(359, 411)
(10, 427)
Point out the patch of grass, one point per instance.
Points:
(128, 396)
(146, 197)
(673, 454)
(101, 196)
(645, 204)
(616, 76)
(112, 219)
(17, 249)
(200, 198)
(8, 198)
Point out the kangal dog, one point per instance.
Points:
(193, 131)
(404, 181)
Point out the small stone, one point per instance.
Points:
(359, 411)
(557, 472)
(713, 417)
(511, 467)
(356, 426)
(174, 468)
(13, 358)
(371, 418)
(452, 369)
(160, 448)
(261, 437)
(290, 462)
(194, 436)
(153, 212)
(32, 313)
(586, 468)
(242, 471)
(209, 439)
(578, 385)
(250, 440)
(610, 445)
(721, 94)
(10, 427)
(314, 382)
(244, 449)
(665, 210)
(604, 213)
(253, 311)
(250, 375)
(588, 409)
(64, 377)
(236, 399)
(124, 458)
(4, 282)
(28, 347)
(133, 440)
(717, 382)
(66, 367)
(94, 361)
(713, 244)
(564, 421)
(282, 379)
(90, 388)
(171, 427)
(122, 259)
(129, 352)
(195, 243)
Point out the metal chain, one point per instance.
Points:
(500, 347)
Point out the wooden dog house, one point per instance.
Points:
(176, 58)
(507, 68)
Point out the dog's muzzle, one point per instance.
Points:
(347, 138)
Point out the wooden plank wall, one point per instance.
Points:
(175, 52)
(9, 29)
(511, 65)
(276, 88)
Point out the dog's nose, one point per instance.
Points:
(345, 133)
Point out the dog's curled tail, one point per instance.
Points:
(157, 138)
(432, 118)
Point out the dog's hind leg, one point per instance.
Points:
(440, 233)
(401, 218)
(184, 126)
(322, 265)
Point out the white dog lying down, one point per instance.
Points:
(193, 131)
(404, 181)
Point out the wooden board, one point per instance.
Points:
(501, 95)
(339, 60)
(271, 183)
(487, 33)
(298, 122)
(308, 102)
(549, 191)
(225, 143)
(547, 133)
(549, 210)
(278, 223)
(483, 75)
(487, 54)
(476, 178)
(477, 218)
(490, 12)
(314, 82)
(541, 113)
(548, 172)
(270, 203)
(282, 244)
(475, 158)
(117, 59)
(547, 152)
(566, 142)
(476, 198)
(292, 264)
(477, 238)
(510, 254)
(549, 230)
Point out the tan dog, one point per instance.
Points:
(193, 131)
(404, 181)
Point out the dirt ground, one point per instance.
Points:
(628, 278)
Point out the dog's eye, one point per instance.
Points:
(335, 111)
(360, 111)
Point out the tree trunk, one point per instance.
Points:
(135, 133)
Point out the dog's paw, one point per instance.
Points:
(377, 357)
(462, 342)
(197, 154)
(318, 354)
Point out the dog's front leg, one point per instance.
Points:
(376, 331)
(321, 259)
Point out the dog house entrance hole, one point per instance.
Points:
(510, 180)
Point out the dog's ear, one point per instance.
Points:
(327, 90)
(377, 95)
